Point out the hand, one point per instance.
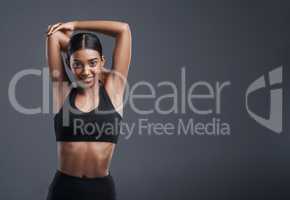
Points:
(65, 27)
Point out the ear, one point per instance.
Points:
(103, 60)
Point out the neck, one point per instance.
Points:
(90, 91)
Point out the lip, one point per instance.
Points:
(88, 79)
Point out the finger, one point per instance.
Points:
(53, 27)
(48, 27)
(56, 29)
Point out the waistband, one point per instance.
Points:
(86, 179)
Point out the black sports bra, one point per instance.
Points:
(100, 124)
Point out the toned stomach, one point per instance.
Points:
(85, 159)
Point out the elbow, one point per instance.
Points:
(125, 27)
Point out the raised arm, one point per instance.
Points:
(55, 44)
(122, 50)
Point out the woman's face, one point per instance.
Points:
(86, 64)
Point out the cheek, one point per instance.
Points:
(77, 71)
(97, 69)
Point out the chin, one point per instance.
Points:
(85, 84)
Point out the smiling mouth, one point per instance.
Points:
(88, 79)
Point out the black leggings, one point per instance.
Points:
(67, 187)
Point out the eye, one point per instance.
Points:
(77, 65)
(93, 63)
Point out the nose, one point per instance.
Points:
(86, 71)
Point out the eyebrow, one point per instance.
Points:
(88, 59)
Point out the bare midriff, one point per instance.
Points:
(85, 159)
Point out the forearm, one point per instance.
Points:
(111, 28)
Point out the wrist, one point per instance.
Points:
(75, 24)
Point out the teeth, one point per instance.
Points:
(88, 78)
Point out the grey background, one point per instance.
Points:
(216, 41)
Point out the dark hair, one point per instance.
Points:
(83, 40)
